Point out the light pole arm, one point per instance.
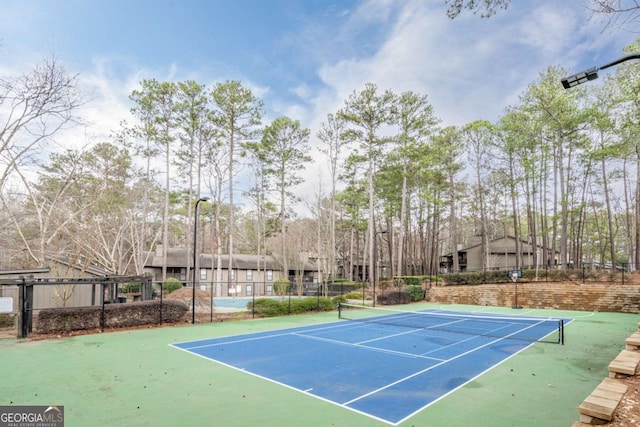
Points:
(592, 73)
(619, 60)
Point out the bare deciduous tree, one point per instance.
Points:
(33, 107)
(624, 14)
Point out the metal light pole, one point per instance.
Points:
(195, 257)
(375, 262)
(515, 275)
(592, 73)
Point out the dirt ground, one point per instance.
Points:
(628, 412)
(203, 298)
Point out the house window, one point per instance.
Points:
(269, 289)
(269, 274)
(233, 274)
(177, 273)
(203, 274)
(249, 274)
(249, 290)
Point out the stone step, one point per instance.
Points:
(602, 402)
(625, 364)
(633, 342)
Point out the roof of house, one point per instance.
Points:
(90, 268)
(24, 271)
(11, 277)
(177, 257)
(495, 248)
(54, 259)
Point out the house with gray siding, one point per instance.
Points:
(501, 255)
(249, 274)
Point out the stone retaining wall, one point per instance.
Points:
(560, 295)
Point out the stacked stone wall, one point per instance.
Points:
(561, 295)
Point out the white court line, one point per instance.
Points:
(355, 325)
(415, 374)
(413, 330)
(350, 325)
(377, 349)
(290, 387)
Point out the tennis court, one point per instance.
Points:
(388, 365)
(136, 378)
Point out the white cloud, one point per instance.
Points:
(470, 68)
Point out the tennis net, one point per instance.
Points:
(527, 328)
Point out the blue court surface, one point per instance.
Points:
(387, 365)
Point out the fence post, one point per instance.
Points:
(23, 303)
(253, 305)
(161, 302)
(102, 312)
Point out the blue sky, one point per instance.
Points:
(304, 57)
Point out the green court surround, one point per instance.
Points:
(134, 378)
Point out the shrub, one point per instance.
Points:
(408, 280)
(131, 288)
(416, 292)
(416, 280)
(52, 320)
(557, 275)
(340, 299)
(326, 304)
(266, 307)
(312, 304)
(478, 278)
(394, 297)
(171, 284)
(297, 306)
(341, 286)
(611, 276)
(6, 320)
(353, 295)
(281, 287)
(455, 279)
(386, 284)
(528, 275)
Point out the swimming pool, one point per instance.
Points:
(238, 302)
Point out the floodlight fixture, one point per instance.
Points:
(581, 77)
(592, 73)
